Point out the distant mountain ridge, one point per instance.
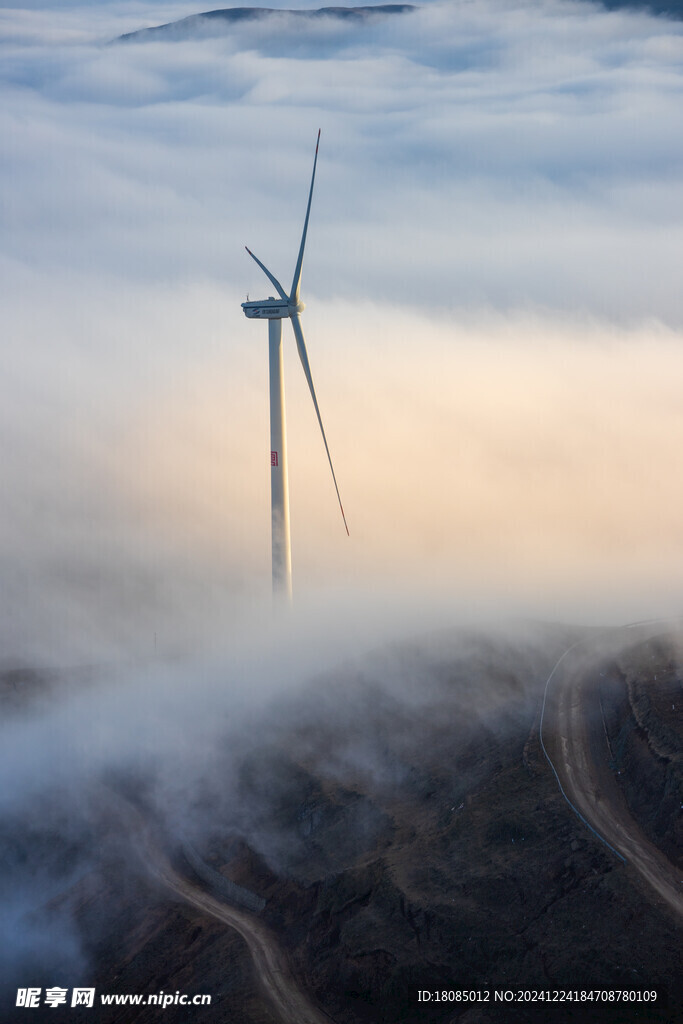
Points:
(179, 29)
(199, 23)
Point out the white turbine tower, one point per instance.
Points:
(275, 311)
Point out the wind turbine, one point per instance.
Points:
(275, 311)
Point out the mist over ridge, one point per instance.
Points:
(495, 324)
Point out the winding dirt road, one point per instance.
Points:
(581, 759)
(270, 962)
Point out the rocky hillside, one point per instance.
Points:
(406, 834)
(645, 727)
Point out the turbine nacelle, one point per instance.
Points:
(272, 309)
(266, 309)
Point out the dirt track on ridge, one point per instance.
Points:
(581, 760)
(270, 962)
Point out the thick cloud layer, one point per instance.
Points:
(494, 314)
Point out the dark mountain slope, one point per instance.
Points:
(210, 22)
(206, 23)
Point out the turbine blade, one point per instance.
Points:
(296, 283)
(303, 356)
(268, 274)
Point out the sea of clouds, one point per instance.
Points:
(494, 313)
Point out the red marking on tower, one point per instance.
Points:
(274, 459)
